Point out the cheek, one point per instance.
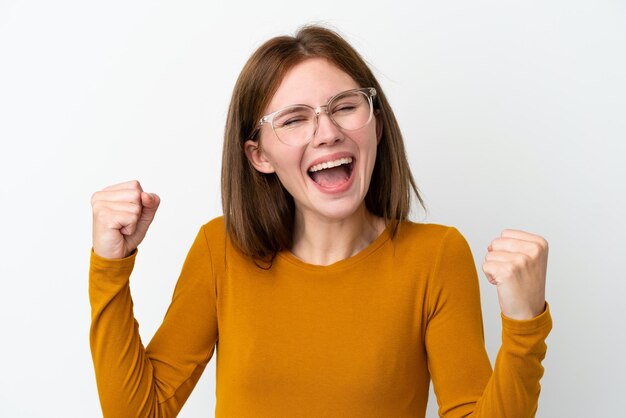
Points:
(286, 164)
(369, 148)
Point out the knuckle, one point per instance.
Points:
(536, 250)
(136, 195)
(136, 185)
(103, 214)
(525, 260)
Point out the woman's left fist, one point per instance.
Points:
(516, 263)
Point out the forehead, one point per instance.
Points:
(311, 82)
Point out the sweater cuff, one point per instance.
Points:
(528, 326)
(119, 264)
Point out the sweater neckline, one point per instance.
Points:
(341, 264)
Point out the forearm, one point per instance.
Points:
(513, 389)
(124, 374)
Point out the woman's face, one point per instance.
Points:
(333, 194)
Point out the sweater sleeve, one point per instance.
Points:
(155, 381)
(463, 380)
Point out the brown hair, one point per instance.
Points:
(259, 213)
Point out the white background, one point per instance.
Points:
(513, 113)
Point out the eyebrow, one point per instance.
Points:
(292, 110)
(300, 104)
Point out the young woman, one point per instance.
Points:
(320, 298)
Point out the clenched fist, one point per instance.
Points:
(516, 264)
(122, 214)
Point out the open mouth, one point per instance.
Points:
(331, 174)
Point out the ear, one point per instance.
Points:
(257, 157)
(379, 126)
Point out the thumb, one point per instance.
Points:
(150, 202)
(149, 199)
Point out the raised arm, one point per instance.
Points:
(155, 381)
(463, 380)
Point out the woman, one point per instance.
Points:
(321, 298)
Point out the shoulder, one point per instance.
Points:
(215, 229)
(215, 238)
(214, 232)
(428, 240)
(410, 232)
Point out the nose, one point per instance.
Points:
(326, 132)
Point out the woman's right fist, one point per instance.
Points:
(122, 214)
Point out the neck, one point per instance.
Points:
(324, 241)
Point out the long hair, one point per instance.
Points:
(259, 213)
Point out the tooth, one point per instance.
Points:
(330, 164)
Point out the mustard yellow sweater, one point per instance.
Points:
(359, 338)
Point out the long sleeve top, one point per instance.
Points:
(362, 337)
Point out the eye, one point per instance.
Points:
(348, 103)
(292, 118)
(290, 123)
(293, 121)
(344, 109)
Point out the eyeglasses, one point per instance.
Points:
(295, 125)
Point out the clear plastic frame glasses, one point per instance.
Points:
(295, 125)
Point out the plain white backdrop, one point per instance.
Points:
(513, 113)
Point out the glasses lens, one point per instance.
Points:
(295, 125)
(351, 110)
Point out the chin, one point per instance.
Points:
(339, 210)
